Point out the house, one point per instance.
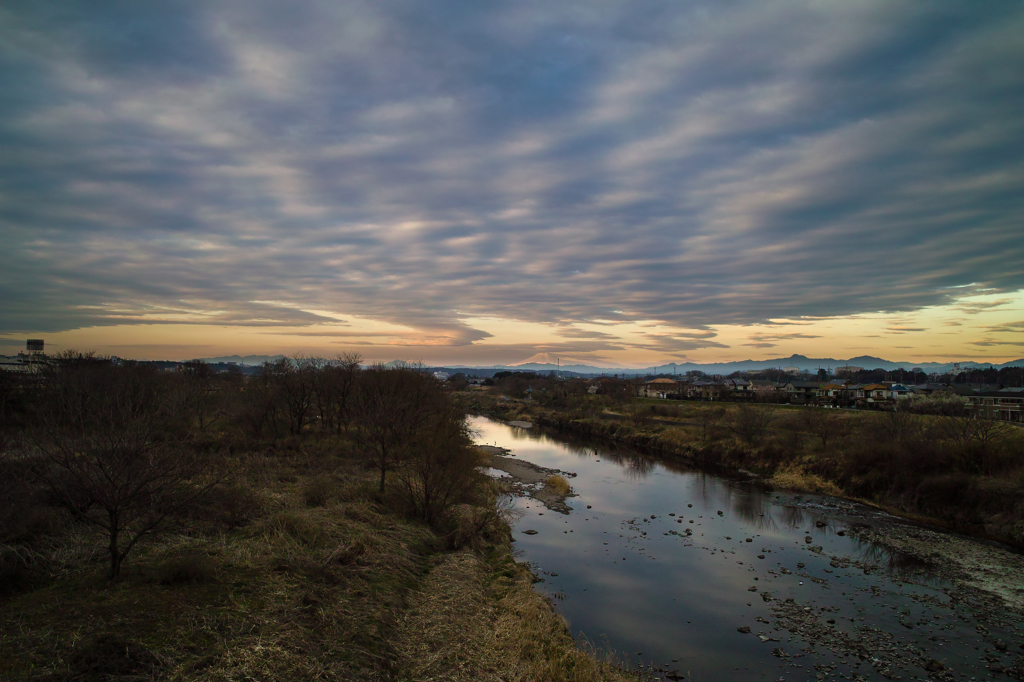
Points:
(876, 396)
(900, 391)
(1005, 404)
(738, 385)
(800, 392)
(661, 388)
(929, 388)
(829, 394)
(704, 390)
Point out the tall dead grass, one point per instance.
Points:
(558, 484)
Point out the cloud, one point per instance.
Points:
(419, 164)
(975, 307)
(1007, 327)
(996, 342)
(782, 336)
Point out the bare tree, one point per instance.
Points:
(106, 452)
(441, 467)
(391, 404)
(638, 414)
(296, 381)
(260, 408)
(751, 422)
(823, 423)
(900, 425)
(333, 391)
(199, 395)
(707, 418)
(975, 432)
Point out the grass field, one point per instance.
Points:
(297, 570)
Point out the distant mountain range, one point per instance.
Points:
(802, 362)
(244, 359)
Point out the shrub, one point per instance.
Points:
(797, 478)
(441, 470)
(318, 491)
(228, 506)
(558, 484)
(187, 568)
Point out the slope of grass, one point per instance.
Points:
(298, 571)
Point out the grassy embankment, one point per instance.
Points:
(918, 466)
(297, 570)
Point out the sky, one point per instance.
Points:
(620, 183)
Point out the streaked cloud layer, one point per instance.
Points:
(628, 178)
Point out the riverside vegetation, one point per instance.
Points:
(930, 459)
(317, 521)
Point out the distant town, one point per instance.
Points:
(992, 392)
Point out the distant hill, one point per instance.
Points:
(244, 359)
(801, 361)
(812, 364)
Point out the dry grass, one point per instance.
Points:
(281, 590)
(476, 620)
(795, 477)
(558, 484)
(536, 640)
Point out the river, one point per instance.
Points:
(687, 574)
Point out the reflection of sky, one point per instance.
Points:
(672, 597)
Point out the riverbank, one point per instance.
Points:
(988, 572)
(299, 570)
(550, 487)
(718, 577)
(858, 456)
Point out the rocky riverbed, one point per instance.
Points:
(526, 479)
(683, 574)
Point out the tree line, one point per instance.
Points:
(125, 449)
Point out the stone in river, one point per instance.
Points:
(529, 532)
(745, 629)
(800, 565)
(751, 589)
(808, 539)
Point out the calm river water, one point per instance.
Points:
(630, 580)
